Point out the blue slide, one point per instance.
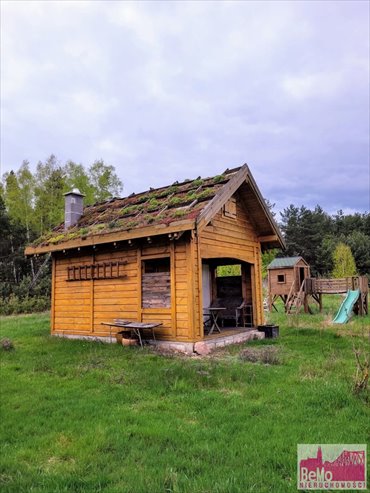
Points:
(345, 310)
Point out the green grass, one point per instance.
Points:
(89, 417)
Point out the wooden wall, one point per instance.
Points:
(291, 275)
(235, 238)
(278, 288)
(79, 307)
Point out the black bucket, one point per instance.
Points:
(271, 331)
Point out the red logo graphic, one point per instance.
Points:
(346, 470)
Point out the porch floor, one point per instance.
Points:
(228, 331)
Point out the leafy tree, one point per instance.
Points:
(304, 231)
(49, 200)
(26, 184)
(346, 224)
(12, 194)
(267, 258)
(344, 263)
(30, 204)
(271, 207)
(104, 180)
(359, 243)
(76, 176)
(13, 265)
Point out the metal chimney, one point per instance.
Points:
(73, 208)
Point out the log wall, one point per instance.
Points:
(79, 307)
(235, 238)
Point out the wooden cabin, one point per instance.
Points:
(155, 256)
(285, 278)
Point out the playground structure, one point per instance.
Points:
(289, 279)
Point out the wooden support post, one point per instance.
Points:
(53, 277)
(200, 290)
(173, 289)
(92, 294)
(305, 302)
(190, 261)
(139, 284)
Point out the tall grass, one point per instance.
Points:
(78, 416)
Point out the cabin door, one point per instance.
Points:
(301, 275)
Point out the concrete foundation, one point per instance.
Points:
(190, 348)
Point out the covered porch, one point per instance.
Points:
(227, 297)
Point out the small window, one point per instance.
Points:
(156, 283)
(281, 278)
(230, 208)
(156, 265)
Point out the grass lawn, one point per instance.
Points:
(88, 417)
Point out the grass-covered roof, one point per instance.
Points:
(161, 206)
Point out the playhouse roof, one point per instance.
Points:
(174, 208)
(286, 262)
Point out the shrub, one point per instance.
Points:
(6, 344)
(269, 355)
(30, 304)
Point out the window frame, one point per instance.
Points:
(281, 281)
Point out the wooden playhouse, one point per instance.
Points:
(286, 276)
(154, 256)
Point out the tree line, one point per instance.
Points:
(319, 238)
(32, 202)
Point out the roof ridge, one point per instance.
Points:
(174, 184)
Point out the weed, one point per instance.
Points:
(218, 178)
(6, 344)
(269, 355)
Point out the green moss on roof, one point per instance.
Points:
(163, 205)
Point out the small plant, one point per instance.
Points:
(218, 178)
(129, 210)
(131, 224)
(205, 193)
(362, 372)
(191, 196)
(198, 182)
(112, 224)
(153, 204)
(180, 213)
(148, 218)
(7, 344)
(57, 239)
(84, 231)
(175, 201)
(167, 191)
(269, 355)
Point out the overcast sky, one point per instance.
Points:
(166, 91)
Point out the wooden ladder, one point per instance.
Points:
(295, 300)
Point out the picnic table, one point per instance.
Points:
(137, 328)
(214, 313)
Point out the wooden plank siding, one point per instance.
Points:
(291, 274)
(81, 306)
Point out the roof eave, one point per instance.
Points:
(243, 175)
(280, 243)
(101, 239)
